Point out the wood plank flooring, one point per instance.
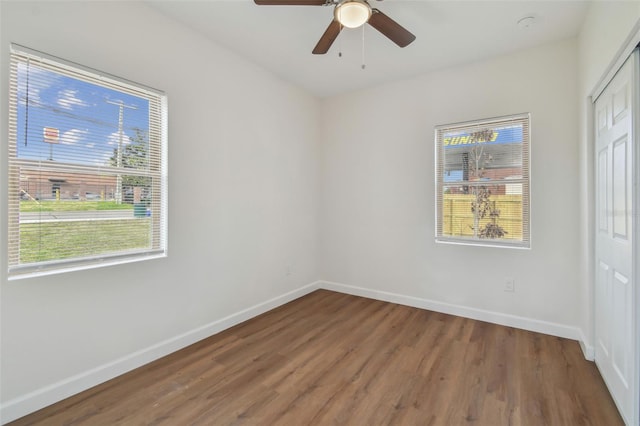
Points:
(330, 358)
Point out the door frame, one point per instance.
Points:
(630, 44)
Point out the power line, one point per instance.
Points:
(68, 114)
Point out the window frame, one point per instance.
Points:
(157, 169)
(525, 180)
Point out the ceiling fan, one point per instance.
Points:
(349, 14)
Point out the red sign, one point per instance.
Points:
(51, 135)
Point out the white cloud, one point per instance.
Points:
(73, 136)
(68, 99)
(114, 139)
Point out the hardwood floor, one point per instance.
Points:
(330, 358)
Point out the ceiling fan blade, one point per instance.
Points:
(327, 39)
(390, 28)
(290, 2)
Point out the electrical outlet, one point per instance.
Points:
(510, 284)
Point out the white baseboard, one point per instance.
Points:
(33, 401)
(530, 324)
(588, 350)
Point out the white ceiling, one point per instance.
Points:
(448, 32)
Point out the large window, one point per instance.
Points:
(87, 167)
(482, 175)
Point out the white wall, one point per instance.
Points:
(233, 128)
(605, 29)
(377, 197)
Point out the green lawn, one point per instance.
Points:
(63, 240)
(70, 206)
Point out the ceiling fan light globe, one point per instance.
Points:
(352, 13)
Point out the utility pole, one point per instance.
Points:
(120, 142)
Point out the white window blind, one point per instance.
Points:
(87, 167)
(482, 182)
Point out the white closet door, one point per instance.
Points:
(616, 341)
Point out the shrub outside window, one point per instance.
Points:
(87, 167)
(482, 182)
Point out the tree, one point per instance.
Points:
(134, 156)
(482, 206)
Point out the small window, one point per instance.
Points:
(482, 175)
(87, 167)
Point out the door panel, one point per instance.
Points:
(603, 173)
(603, 286)
(620, 101)
(621, 328)
(619, 191)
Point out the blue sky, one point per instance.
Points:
(87, 122)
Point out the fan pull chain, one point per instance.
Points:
(363, 64)
(340, 42)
